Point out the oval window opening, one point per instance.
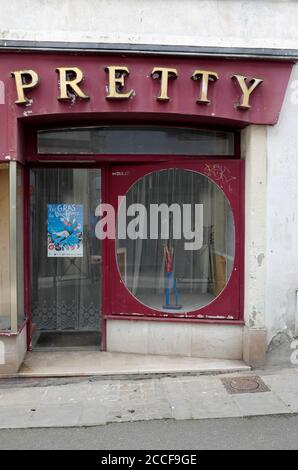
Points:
(178, 251)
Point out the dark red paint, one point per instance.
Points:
(224, 94)
(229, 303)
(18, 126)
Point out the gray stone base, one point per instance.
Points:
(179, 339)
(254, 346)
(175, 339)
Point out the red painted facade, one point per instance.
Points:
(224, 94)
(228, 175)
(18, 125)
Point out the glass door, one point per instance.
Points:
(65, 258)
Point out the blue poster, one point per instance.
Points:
(65, 230)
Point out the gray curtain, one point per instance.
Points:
(200, 274)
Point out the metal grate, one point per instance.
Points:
(244, 384)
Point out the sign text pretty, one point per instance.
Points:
(70, 83)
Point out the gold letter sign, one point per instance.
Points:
(22, 84)
(65, 82)
(117, 74)
(206, 76)
(164, 74)
(241, 80)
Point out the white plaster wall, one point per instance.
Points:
(231, 23)
(282, 216)
(254, 150)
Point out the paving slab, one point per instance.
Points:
(258, 404)
(14, 417)
(54, 415)
(65, 394)
(97, 401)
(175, 392)
(12, 397)
(93, 416)
(286, 387)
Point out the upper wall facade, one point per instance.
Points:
(229, 23)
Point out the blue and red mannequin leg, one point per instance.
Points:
(168, 277)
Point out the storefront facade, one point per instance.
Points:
(82, 132)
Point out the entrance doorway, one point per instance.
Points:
(65, 258)
(81, 286)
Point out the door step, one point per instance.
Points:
(107, 364)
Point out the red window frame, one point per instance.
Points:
(228, 305)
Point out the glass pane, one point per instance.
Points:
(20, 244)
(136, 140)
(5, 321)
(66, 255)
(178, 252)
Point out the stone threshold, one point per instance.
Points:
(107, 364)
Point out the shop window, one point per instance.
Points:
(178, 252)
(142, 140)
(5, 320)
(11, 247)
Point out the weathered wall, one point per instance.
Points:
(233, 23)
(282, 224)
(254, 151)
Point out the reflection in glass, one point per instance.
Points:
(196, 276)
(136, 140)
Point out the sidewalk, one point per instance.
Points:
(94, 401)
